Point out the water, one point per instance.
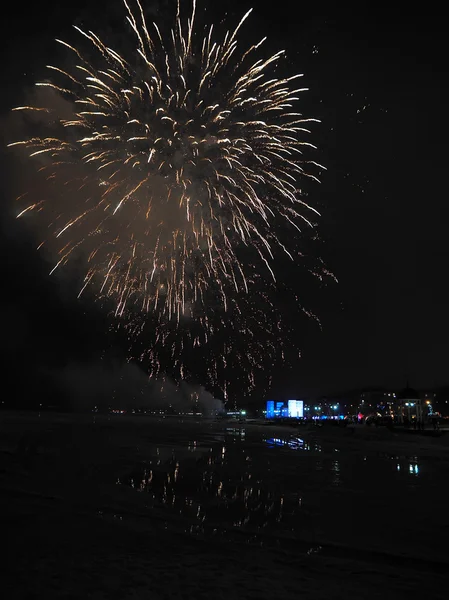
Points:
(138, 503)
(241, 481)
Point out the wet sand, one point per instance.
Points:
(96, 507)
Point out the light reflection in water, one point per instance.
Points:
(335, 472)
(215, 489)
(236, 483)
(413, 469)
(236, 432)
(294, 443)
(406, 464)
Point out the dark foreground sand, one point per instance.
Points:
(69, 531)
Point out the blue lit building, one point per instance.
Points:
(293, 409)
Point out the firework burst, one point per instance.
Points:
(180, 162)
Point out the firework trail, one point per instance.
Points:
(179, 162)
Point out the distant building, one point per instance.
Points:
(375, 402)
(412, 405)
(293, 409)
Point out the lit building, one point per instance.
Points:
(295, 409)
(415, 406)
(376, 402)
(292, 409)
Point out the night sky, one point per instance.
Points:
(377, 82)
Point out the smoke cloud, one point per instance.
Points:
(126, 386)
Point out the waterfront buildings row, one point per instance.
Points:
(406, 405)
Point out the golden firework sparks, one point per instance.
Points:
(186, 151)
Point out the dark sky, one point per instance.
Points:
(378, 82)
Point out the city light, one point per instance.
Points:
(293, 409)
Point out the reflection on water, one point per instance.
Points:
(414, 469)
(335, 472)
(294, 443)
(406, 464)
(229, 480)
(236, 432)
(214, 487)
